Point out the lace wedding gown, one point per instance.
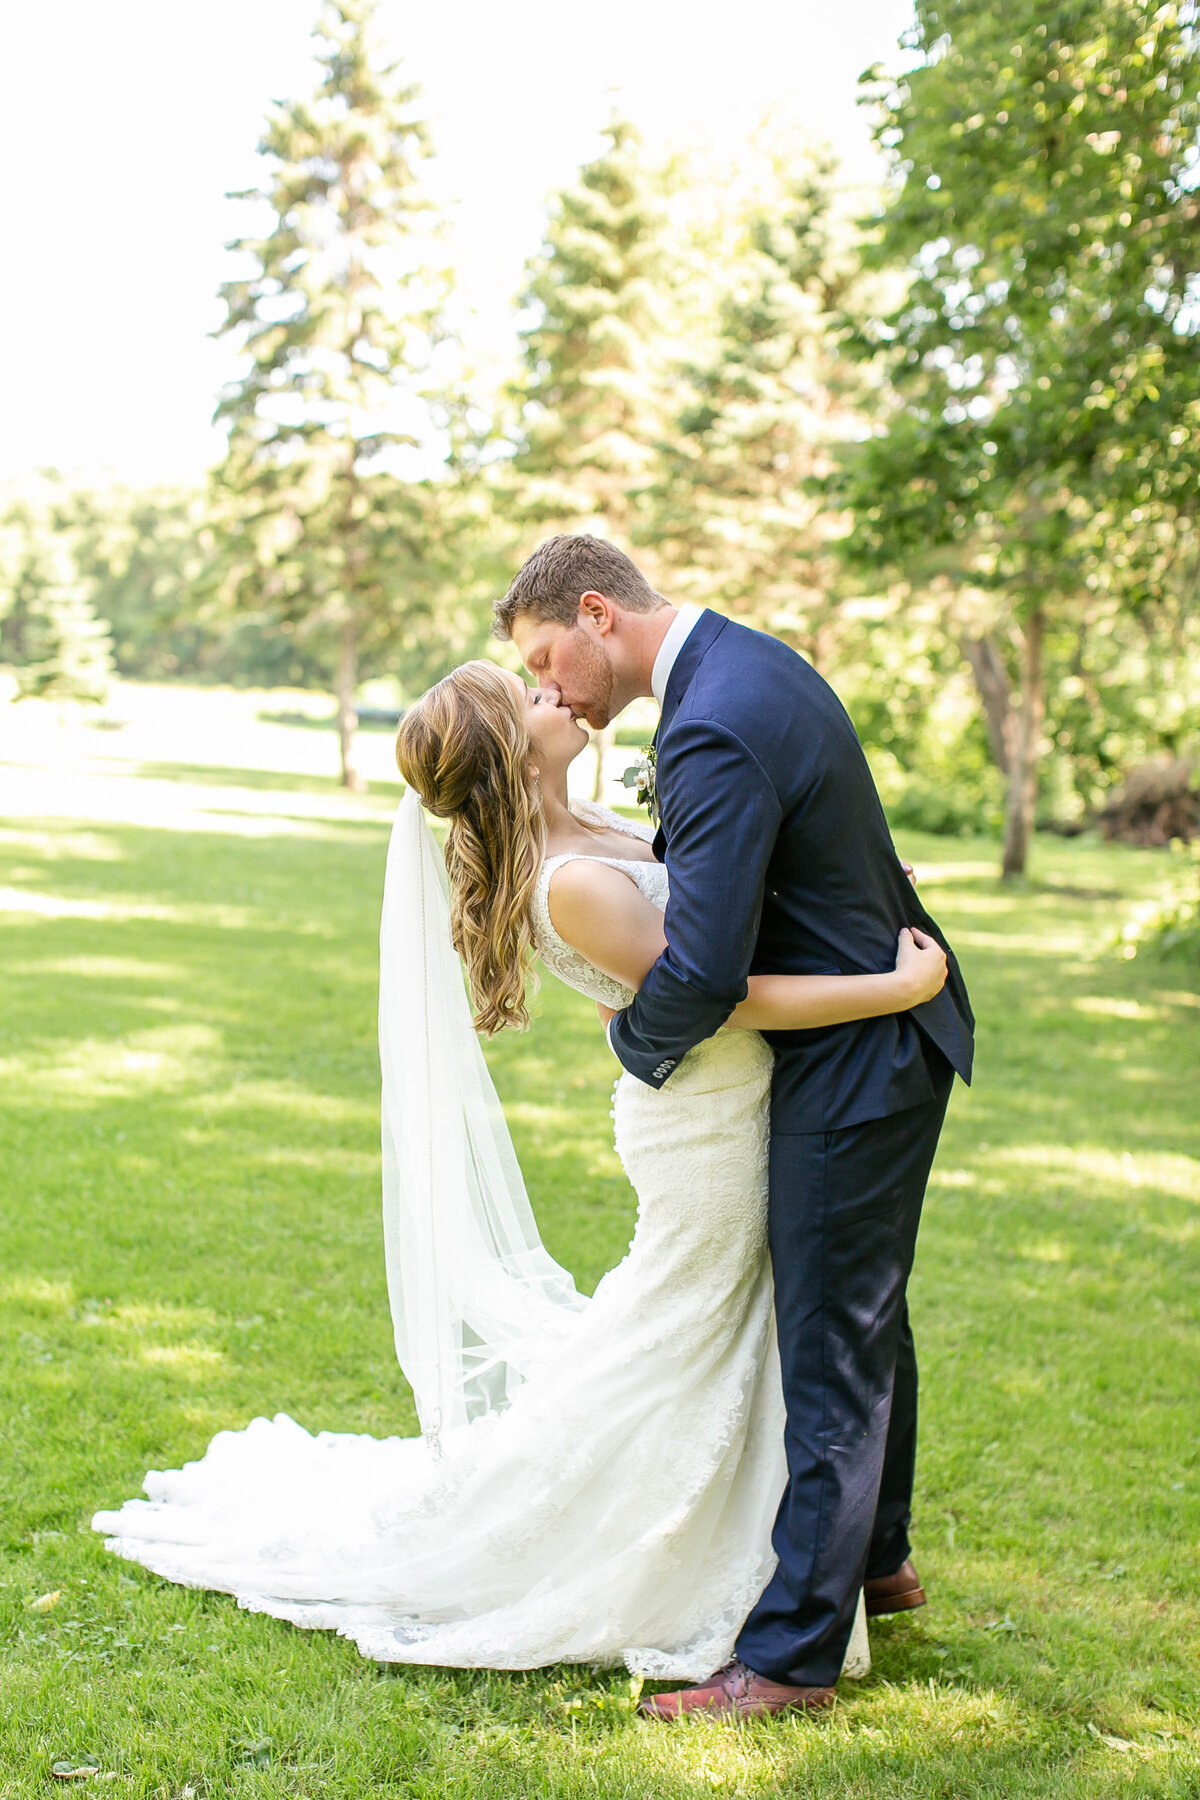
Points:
(620, 1508)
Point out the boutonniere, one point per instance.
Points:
(642, 777)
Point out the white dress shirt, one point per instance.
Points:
(677, 636)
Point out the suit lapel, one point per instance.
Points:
(699, 641)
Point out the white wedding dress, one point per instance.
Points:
(619, 1508)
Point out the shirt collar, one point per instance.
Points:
(677, 636)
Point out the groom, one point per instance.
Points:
(780, 861)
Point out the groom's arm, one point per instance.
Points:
(721, 815)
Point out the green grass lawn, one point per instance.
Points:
(190, 1237)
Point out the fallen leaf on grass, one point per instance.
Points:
(256, 1755)
(75, 1768)
(1114, 1743)
(46, 1602)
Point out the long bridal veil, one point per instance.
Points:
(476, 1299)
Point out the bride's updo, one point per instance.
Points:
(464, 747)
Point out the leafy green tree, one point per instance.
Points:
(147, 559)
(1043, 358)
(338, 319)
(593, 400)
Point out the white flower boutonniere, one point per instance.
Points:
(642, 777)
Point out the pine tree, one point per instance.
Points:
(594, 397)
(737, 516)
(337, 318)
(48, 628)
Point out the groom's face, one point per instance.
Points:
(571, 659)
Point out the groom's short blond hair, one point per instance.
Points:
(551, 582)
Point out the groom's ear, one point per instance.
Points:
(598, 610)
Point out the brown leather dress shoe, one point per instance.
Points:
(737, 1692)
(893, 1593)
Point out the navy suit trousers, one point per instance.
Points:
(844, 1210)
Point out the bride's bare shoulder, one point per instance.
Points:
(581, 889)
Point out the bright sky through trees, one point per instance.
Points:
(124, 125)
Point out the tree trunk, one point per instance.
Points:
(1026, 749)
(347, 717)
(991, 679)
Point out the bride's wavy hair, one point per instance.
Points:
(465, 748)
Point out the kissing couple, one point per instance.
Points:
(705, 1469)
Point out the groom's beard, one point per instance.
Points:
(592, 683)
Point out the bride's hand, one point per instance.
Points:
(920, 966)
(607, 1015)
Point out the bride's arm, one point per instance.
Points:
(600, 913)
(800, 1002)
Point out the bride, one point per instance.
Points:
(596, 1479)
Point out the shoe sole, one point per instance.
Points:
(731, 1710)
(895, 1603)
(760, 1711)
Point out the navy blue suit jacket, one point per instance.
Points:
(781, 862)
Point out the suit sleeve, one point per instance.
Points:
(721, 816)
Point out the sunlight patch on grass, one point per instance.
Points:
(953, 1178)
(1109, 1006)
(1179, 997)
(1039, 943)
(1048, 1250)
(231, 822)
(291, 1101)
(34, 1291)
(1162, 1171)
(193, 1360)
(336, 1161)
(146, 1315)
(107, 968)
(82, 846)
(205, 1417)
(944, 873)
(163, 1058)
(985, 905)
(58, 906)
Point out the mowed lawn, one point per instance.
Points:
(190, 1237)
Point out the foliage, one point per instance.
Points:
(337, 318)
(147, 558)
(762, 396)
(48, 626)
(950, 454)
(191, 1237)
(593, 398)
(1042, 358)
(1168, 927)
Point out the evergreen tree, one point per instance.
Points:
(593, 401)
(337, 319)
(49, 630)
(736, 515)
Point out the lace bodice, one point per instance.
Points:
(558, 956)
